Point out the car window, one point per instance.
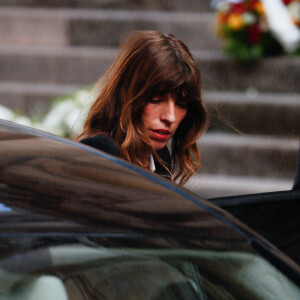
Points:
(42, 254)
(78, 271)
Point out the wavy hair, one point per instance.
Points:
(149, 64)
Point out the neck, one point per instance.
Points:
(145, 156)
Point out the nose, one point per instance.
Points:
(169, 111)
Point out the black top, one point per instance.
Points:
(107, 145)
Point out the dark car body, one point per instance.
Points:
(76, 223)
(274, 215)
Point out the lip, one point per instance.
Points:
(160, 134)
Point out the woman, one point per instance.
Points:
(150, 95)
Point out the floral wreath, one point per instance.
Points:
(244, 28)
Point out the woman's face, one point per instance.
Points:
(161, 117)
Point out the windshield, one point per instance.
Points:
(95, 268)
(65, 259)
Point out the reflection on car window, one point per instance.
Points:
(76, 271)
(4, 208)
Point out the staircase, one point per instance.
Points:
(50, 48)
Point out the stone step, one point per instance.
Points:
(84, 65)
(210, 186)
(61, 27)
(272, 74)
(173, 5)
(232, 112)
(30, 98)
(248, 155)
(254, 113)
(60, 65)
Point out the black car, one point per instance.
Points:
(274, 215)
(76, 223)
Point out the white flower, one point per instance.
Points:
(249, 18)
(65, 118)
(82, 97)
(39, 126)
(72, 118)
(57, 114)
(287, 33)
(6, 113)
(23, 121)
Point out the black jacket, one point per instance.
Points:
(107, 145)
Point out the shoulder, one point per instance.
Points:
(102, 142)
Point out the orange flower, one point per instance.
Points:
(221, 18)
(259, 7)
(296, 22)
(235, 22)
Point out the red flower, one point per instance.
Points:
(287, 2)
(238, 8)
(252, 4)
(254, 34)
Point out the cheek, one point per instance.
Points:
(146, 114)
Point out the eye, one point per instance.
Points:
(181, 104)
(155, 100)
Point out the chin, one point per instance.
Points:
(158, 146)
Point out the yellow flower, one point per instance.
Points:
(235, 21)
(259, 7)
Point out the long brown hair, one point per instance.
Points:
(149, 64)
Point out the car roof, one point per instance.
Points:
(26, 149)
(57, 177)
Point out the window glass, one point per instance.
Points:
(78, 271)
